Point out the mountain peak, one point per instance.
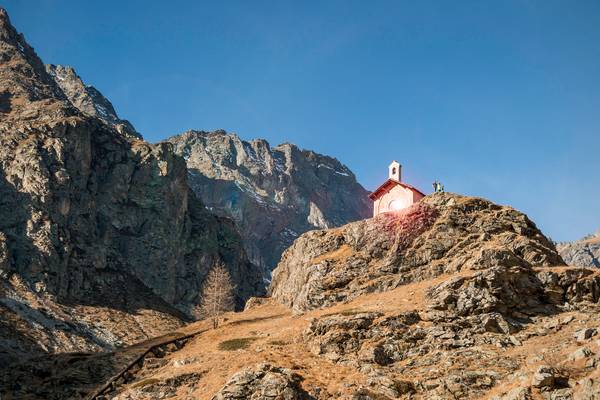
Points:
(4, 20)
(87, 99)
(26, 89)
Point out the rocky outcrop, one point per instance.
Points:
(582, 253)
(94, 225)
(495, 310)
(263, 382)
(494, 282)
(442, 234)
(517, 292)
(273, 194)
(88, 99)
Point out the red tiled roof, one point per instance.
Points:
(388, 185)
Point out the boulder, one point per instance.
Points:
(585, 334)
(263, 382)
(580, 354)
(544, 377)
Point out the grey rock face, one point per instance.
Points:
(589, 389)
(518, 393)
(546, 377)
(513, 292)
(91, 220)
(273, 194)
(88, 99)
(263, 382)
(582, 253)
(442, 234)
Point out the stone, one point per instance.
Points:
(587, 389)
(559, 394)
(585, 334)
(254, 302)
(496, 323)
(263, 381)
(544, 377)
(580, 354)
(518, 393)
(515, 341)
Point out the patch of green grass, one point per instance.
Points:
(278, 343)
(351, 311)
(348, 312)
(236, 344)
(145, 382)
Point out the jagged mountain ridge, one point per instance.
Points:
(273, 193)
(101, 239)
(88, 99)
(582, 253)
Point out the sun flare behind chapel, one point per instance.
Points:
(393, 194)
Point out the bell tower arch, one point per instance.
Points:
(395, 170)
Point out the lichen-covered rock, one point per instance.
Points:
(263, 382)
(444, 233)
(273, 193)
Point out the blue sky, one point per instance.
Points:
(499, 99)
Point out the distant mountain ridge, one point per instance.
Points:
(275, 193)
(582, 253)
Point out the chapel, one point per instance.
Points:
(393, 194)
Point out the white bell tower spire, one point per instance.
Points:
(395, 171)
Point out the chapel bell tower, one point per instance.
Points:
(394, 171)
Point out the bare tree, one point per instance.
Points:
(217, 294)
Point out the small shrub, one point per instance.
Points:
(236, 344)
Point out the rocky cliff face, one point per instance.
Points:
(273, 194)
(442, 234)
(454, 298)
(101, 239)
(582, 253)
(88, 99)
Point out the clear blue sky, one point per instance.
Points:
(499, 99)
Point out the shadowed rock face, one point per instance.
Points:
(273, 194)
(92, 220)
(442, 234)
(582, 253)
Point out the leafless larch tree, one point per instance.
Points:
(217, 294)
